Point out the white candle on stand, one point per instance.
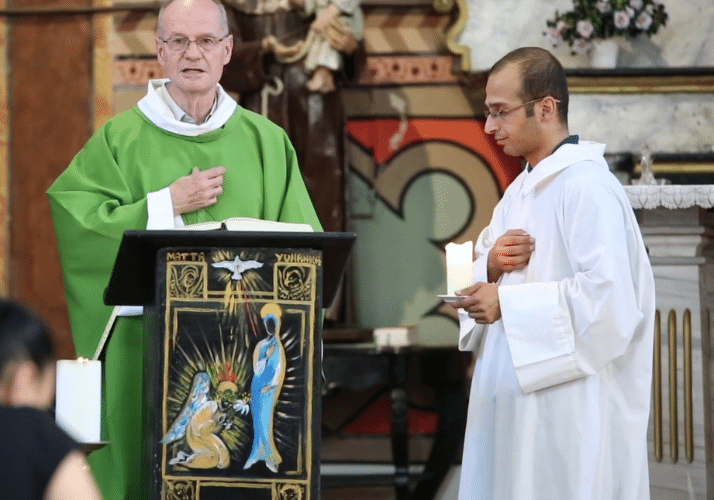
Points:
(459, 266)
(78, 399)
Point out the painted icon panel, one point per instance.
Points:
(236, 386)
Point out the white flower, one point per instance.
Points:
(581, 46)
(643, 21)
(555, 36)
(630, 11)
(636, 4)
(603, 6)
(585, 28)
(622, 20)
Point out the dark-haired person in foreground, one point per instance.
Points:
(561, 312)
(38, 460)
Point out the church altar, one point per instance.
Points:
(678, 230)
(671, 196)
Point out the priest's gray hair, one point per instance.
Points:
(221, 12)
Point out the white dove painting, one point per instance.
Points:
(238, 266)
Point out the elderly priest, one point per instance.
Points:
(186, 153)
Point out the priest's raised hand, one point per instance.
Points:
(197, 190)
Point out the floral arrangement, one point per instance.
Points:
(593, 19)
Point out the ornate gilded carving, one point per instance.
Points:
(453, 33)
(673, 414)
(688, 388)
(610, 82)
(657, 388)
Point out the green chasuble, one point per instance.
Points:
(103, 193)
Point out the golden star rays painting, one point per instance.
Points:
(236, 385)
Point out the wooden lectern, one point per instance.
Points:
(232, 356)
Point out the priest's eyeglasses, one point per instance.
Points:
(182, 43)
(497, 114)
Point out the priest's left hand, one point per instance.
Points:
(480, 300)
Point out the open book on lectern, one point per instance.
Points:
(249, 224)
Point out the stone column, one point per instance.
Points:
(678, 232)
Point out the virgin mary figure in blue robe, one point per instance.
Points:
(268, 376)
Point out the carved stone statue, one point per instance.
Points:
(266, 32)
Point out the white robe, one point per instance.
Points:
(560, 396)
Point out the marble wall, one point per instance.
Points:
(670, 123)
(496, 27)
(666, 122)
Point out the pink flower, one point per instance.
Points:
(604, 18)
(585, 28)
(581, 46)
(622, 20)
(603, 6)
(636, 4)
(643, 21)
(555, 36)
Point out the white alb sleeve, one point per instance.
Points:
(161, 216)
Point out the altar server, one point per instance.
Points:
(561, 312)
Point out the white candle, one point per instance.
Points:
(78, 399)
(459, 266)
